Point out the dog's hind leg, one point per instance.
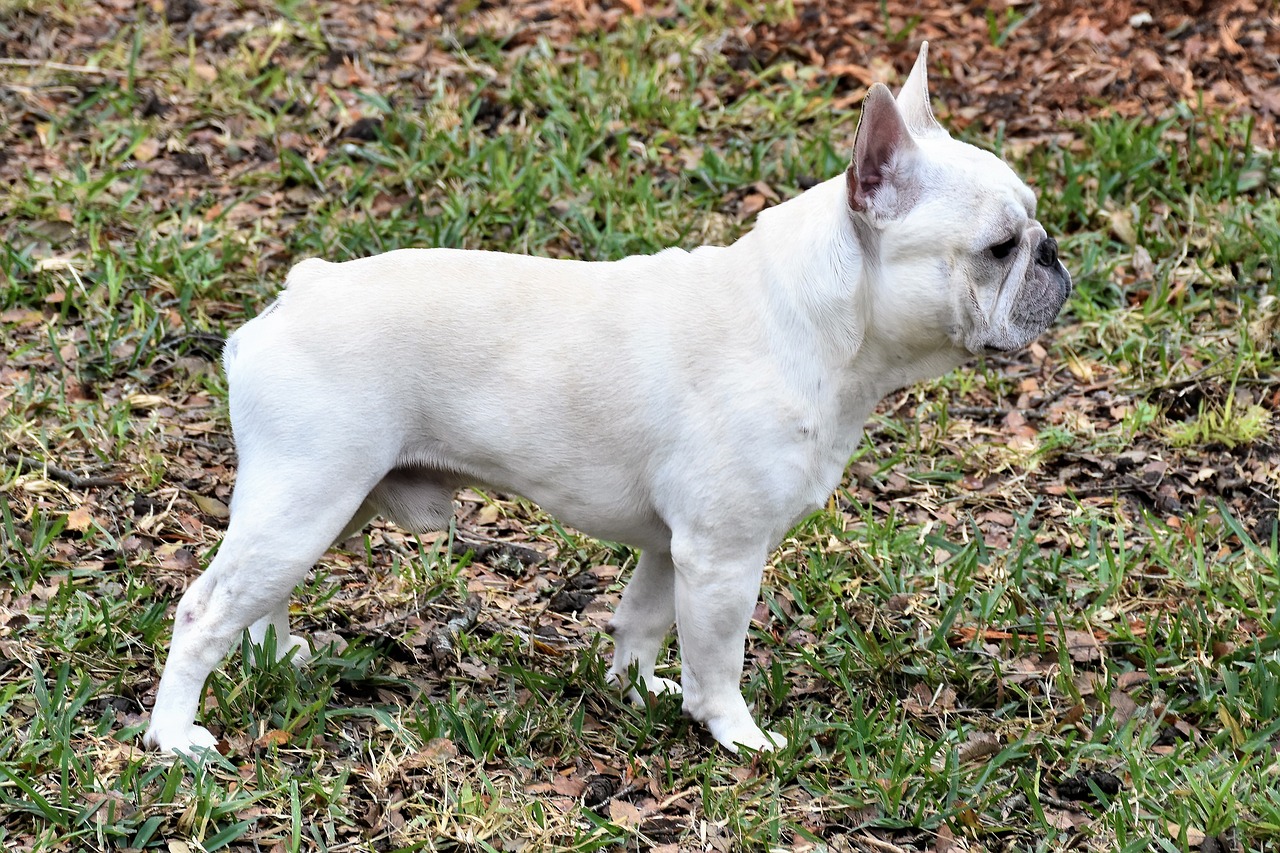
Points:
(358, 522)
(412, 498)
(291, 646)
(641, 624)
(282, 521)
(287, 645)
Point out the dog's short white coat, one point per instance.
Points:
(693, 404)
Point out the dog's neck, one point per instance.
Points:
(811, 263)
(822, 275)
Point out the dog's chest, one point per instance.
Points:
(816, 471)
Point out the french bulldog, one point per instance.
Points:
(692, 404)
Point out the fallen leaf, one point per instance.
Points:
(108, 806)
(1122, 707)
(438, 750)
(176, 556)
(1128, 680)
(145, 401)
(1080, 369)
(1083, 647)
(977, 746)
(625, 814)
(1063, 819)
(1195, 835)
(79, 519)
(211, 506)
(275, 737)
(204, 71)
(1073, 715)
(22, 317)
(562, 784)
(146, 150)
(945, 841)
(751, 205)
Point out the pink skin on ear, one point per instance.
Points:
(881, 137)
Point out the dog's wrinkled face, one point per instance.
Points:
(954, 231)
(1002, 274)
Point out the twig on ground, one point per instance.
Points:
(48, 65)
(28, 464)
(486, 549)
(872, 841)
(1039, 410)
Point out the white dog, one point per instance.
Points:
(692, 404)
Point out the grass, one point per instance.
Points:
(983, 611)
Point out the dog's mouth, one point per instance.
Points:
(994, 350)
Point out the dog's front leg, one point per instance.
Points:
(641, 624)
(716, 591)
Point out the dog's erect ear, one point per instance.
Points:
(879, 178)
(913, 100)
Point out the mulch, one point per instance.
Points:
(1034, 69)
(1029, 69)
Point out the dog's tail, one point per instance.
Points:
(304, 270)
(300, 274)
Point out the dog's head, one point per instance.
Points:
(948, 230)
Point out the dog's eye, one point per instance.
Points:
(1000, 251)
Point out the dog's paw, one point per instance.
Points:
(293, 648)
(652, 686)
(655, 686)
(190, 740)
(663, 686)
(750, 737)
(297, 650)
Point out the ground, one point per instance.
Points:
(1039, 614)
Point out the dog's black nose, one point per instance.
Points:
(1047, 252)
